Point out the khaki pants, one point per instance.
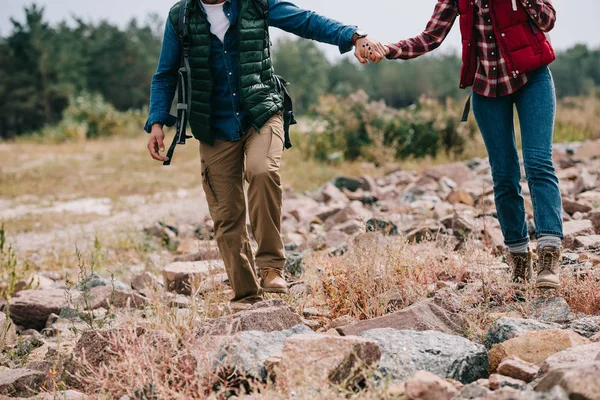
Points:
(255, 158)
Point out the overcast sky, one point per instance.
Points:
(387, 20)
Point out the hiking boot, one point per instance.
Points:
(548, 267)
(522, 269)
(272, 281)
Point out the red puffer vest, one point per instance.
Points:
(524, 47)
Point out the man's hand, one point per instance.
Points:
(367, 49)
(156, 144)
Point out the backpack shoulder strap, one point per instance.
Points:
(263, 6)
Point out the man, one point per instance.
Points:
(236, 114)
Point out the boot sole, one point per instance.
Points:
(274, 290)
(547, 285)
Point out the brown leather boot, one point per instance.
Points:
(522, 269)
(272, 281)
(548, 268)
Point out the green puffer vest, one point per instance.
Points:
(258, 87)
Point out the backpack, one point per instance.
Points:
(184, 90)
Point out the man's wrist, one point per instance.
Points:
(357, 36)
(157, 126)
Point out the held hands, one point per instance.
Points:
(367, 49)
(156, 143)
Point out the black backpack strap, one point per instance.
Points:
(288, 109)
(466, 111)
(263, 5)
(184, 90)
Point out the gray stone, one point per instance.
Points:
(586, 327)
(573, 356)
(20, 382)
(508, 328)
(342, 182)
(553, 309)
(96, 280)
(293, 264)
(508, 393)
(248, 351)
(472, 391)
(406, 352)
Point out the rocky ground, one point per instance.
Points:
(400, 290)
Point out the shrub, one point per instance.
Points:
(89, 116)
(358, 128)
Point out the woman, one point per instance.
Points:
(505, 56)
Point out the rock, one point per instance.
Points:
(586, 327)
(387, 228)
(553, 309)
(162, 231)
(350, 184)
(594, 216)
(31, 308)
(324, 212)
(204, 251)
(508, 328)
(96, 280)
(332, 194)
(424, 385)
(585, 181)
(595, 338)
(95, 348)
(350, 227)
(587, 242)
(368, 183)
(294, 264)
(8, 333)
(107, 297)
(354, 210)
(423, 316)
(575, 228)
(188, 246)
(458, 172)
(447, 299)
(266, 316)
(36, 282)
(580, 382)
(319, 360)
(578, 355)
(460, 197)
(500, 381)
(509, 393)
(248, 352)
(20, 382)
(571, 207)
(180, 277)
(516, 368)
(472, 391)
(62, 395)
(535, 347)
(145, 281)
(406, 352)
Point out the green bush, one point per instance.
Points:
(89, 116)
(358, 128)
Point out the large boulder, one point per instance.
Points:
(508, 328)
(20, 382)
(247, 352)
(535, 347)
(266, 316)
(318, 360)
(406, 352)
(572, 229)
(181, 277)
(423, 316)
(31, 308)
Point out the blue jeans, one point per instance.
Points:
(536, 107)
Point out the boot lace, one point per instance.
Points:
(548, 261)
(520, 267)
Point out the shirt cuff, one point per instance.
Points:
(163, 118)
(345, 39)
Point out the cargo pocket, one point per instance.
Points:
(209, 190)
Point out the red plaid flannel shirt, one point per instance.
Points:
(492, 78)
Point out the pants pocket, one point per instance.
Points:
(209, 189)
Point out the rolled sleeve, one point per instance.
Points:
(542, 12)
(163, 118)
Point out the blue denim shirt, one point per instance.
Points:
(229, 117)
